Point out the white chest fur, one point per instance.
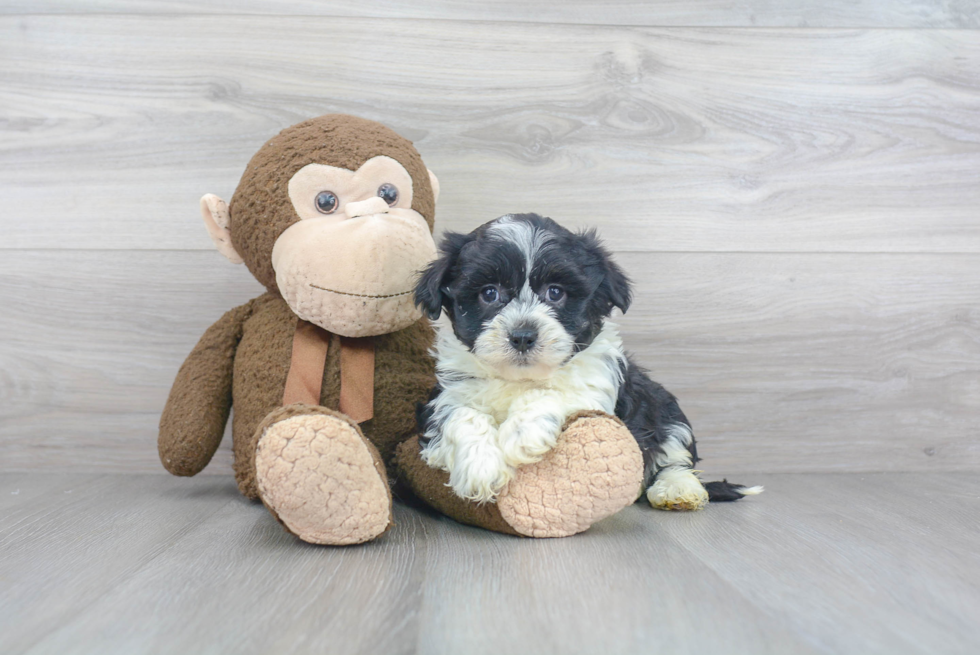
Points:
(589, 380)
(484, 425)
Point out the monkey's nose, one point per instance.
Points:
(522, 339)
(367, 207)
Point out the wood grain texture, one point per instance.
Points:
(710, 13)
(62, 551)
(668, 139)
(858, 362)
(819, 563)
(20, 489)
(783, 362)
(91, 347)
(247, 586)
(869, 564)
(630, 589)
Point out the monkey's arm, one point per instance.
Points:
(194, 418)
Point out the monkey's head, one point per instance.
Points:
(336, 215)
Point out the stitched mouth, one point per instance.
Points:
(361, 295)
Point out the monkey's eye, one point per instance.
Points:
(555, 293)
(326, 202)
(388, 193)
(489, 294)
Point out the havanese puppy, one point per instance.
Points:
(530, 343)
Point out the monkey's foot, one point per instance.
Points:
(595, 470)
(321, 478)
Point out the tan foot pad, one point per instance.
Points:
(323, 480)
(595, 470)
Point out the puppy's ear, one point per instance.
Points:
(614, 289)
(618, 286)
(430, 292)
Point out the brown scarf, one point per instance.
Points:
(305, 378)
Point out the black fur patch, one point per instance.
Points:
(724, 491)
(469, 263)
(648, 409)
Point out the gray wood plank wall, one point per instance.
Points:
(797, 197)
(680, 13)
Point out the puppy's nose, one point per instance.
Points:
(523, 339)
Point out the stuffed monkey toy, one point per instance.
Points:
(334, 216)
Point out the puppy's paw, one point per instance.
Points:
(525, 438)
(480, 473)
(677, 488)
(439, 454)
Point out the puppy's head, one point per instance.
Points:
(523, 293)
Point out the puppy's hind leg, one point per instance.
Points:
(675, 485)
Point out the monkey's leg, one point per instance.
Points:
(594, 471)
(320, 477)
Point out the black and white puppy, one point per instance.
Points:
(530, 344)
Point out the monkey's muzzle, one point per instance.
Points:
(354, 277)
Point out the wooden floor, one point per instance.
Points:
(820, 563)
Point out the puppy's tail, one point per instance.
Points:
(724, 491)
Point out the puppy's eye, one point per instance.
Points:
(388, 193)
(555, 293)
(489, 294)
(326, 202)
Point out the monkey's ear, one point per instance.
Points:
(431, 292)
(434, 181)
(217, 218)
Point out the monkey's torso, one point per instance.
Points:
(404, 374)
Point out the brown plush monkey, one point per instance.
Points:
(334, 217)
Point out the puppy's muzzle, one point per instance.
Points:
(523, 339)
